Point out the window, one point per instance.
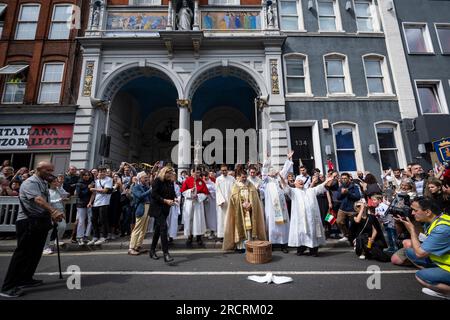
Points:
(328, 15)
(387, 146)
(366, 17)
(52, 76)
(291, 15)
(431, 97)
(27, 23)
(443, 32)
(418, 38)
(297, 74)
(337, 74)
(59, 28)
(224, 2)
(2, 17)
(376, 75)
(344, 136)
(14, 90)
(145, 2)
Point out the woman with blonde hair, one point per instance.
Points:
(162, 199)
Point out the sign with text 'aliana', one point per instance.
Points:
(442, 148)
(36, 137)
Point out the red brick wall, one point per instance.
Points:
(202, 2)
(41, 50)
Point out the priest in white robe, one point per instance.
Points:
(224, 183)
(210, 207)
(306, 228)
(275, 208)
(172, 219)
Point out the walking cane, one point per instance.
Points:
(55, 229)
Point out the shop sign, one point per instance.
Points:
(36, 137)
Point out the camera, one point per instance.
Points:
(446, 165)
(400, 206)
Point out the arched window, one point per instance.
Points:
(337, 74)
(51, 82)
(347, 146)
(389, 145)
(377, 75)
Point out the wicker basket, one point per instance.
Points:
(258, 252)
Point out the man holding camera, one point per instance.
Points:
(432, 256)
(32, 225)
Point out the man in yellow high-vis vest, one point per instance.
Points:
(432, 256)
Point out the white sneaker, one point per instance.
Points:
(92, 242)
(343, 239)
(362, 257)
(435, 294)
(47, 251)
(80, 242)
(101, 241)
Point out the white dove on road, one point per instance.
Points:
(269, 278)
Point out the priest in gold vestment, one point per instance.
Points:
(245, 217)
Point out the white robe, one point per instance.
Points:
(306, 227)
(223, 193)
(194, 214)
(172, 219)
(275, 207)
(210, 207)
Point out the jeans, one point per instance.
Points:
(84, 216)
(100, 218)
(125, 225)
(392, 238)
(61, 229)
(431, 274)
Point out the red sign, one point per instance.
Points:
(36, 137)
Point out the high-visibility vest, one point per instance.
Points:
(444, 260)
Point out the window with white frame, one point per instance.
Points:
(344, 135)
(224, 2)
(418, 38)
(52, 76)
(59, 28)
(14, 90)
(328, 12)
(431, 97)
(443, 32)
(366, 16)
(2, 17)
(337, 74)
(387, 146)
(27, 22)
(375, 75)
(291, 15)
(145, 2)
(297, 75)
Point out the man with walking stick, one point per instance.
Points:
(32, 225)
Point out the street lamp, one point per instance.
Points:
(105, 140)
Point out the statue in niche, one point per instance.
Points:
(184, 17)
(270, 16)
(96, 13)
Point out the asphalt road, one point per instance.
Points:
(211, 274)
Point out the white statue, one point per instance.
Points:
(184, 17)
(270, 17)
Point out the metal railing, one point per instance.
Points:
(9, 209)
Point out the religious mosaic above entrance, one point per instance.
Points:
(223, 20)
(136, 21)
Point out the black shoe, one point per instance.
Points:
(285, 249)
(170, 240)
(153, 255)
(301, 250)
(167, 257)
(13, 293)
(314, 252)
(30, 284)
(199, 240)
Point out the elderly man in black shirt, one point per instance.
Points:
(32, 225)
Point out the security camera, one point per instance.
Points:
(98, 103)
(264, 99)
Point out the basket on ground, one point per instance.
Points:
(258, 252)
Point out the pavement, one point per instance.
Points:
(108, 273)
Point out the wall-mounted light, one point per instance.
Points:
(325, 124)
(372, 149)
(310, 5)
(328, 150)
(422, 149)
(348, 5)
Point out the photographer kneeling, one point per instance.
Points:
(433, 255)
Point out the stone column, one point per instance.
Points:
(196, 25)
(184, 136)
(170, 26)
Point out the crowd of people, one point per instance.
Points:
(401, 217)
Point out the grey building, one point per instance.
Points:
(425, 32)
(342, 101)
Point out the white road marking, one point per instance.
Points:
(225, 273)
